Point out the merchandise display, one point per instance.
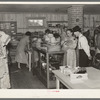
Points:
(76, 75)
(52, 45)
(47, 62)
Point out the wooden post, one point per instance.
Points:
(47, 56)
(29, 62)
(57, 83)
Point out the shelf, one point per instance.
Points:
(56, 25)
(52, 84)
(57, 21)
(41, 77)
(44, 80)
(9, 27)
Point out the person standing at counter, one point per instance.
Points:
(57, 38)
(83, 46)
(54, 44)
(22, 47)
(46, 36)
(69, 45)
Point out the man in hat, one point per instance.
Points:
(84, 49)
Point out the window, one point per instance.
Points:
(36, 22)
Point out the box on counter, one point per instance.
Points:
(75, 77)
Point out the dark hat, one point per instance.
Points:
(28, 33)
(76, 28)
(47, 31)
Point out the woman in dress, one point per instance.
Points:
(4, 72)
(68, 45)
(46, 36)
(22, 47)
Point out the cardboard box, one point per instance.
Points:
(78, 77)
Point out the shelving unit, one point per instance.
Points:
(38, 34)
(10, 28)
(44, 73)
(57, 25)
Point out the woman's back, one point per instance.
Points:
(23, 42)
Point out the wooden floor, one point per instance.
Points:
(23, 79)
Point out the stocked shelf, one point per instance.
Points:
(10, 28)
(38, 34)
(57, 25)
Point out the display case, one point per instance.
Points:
(48, 61)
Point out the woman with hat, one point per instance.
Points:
(83, 46)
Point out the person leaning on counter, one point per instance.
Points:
(84, 49)
(22, 47)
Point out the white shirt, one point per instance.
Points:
(83, 44)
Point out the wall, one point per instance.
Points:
(21, 19)
(75, 16)
(91, 21)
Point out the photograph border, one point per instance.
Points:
(52, 94)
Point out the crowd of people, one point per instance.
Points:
(73, 42)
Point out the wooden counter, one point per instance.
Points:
(43, 78)
(93, 81)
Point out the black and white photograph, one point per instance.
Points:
(49, 46)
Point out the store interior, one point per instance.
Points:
(17, 19)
